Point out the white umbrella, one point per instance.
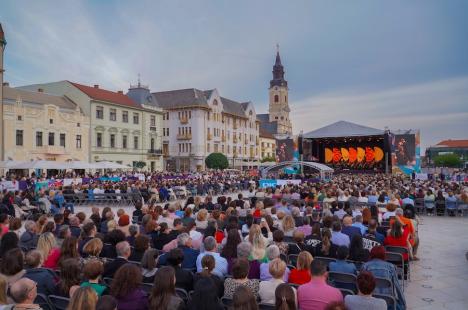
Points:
(38, 164)
(8, 164)
(109, 165)
(78, 164)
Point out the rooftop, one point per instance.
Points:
(452, 143)
(97, 93)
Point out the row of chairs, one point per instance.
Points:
(120, 199)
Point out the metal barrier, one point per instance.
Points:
(106, 198)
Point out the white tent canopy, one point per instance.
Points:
(46, 164)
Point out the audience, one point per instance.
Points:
(123, 253)
(208, 264)
(205, 295)
(24, 292)
(285, 297)
(364, 300)
(44, 278)
(221, 266)
(126, 289)
(301, 274)
(240, 272)
(92, 272)
(267, 288)
(244, 299)
(83, 298)
(163, 295)
(341, 265)
(317, 294)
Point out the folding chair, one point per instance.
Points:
(384, 285)
(346, 292)
(265, 306)
(419, 205)
(182, 294)
(59, 302)
(292, 258)
(43, 302)
(325, 260)
(401, 250)
(227, 302)
(397, 260)
(390, 300)
(341, 280)
(107, 281)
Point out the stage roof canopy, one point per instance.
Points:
(343, 129)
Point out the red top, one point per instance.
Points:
(299, 276)
(219, 236)
(52, 260)
(402, 241)
(257, 214)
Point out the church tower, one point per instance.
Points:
(2, 49)
(279, 107)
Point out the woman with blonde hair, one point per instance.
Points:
(301, 274)
(259, 242)
(83, 298)
(201, 221)
(288, 225)
(92, 250)
(49, 251)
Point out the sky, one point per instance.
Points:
(401, 64)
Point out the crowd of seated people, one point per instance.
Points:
(274, 247)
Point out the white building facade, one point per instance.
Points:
(197, 123)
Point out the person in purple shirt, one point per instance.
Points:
(272, 252)
(126, 289)
(317, 294)
(338, 238)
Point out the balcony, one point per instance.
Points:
(183, 120)
(154, 152)
(51, 149)
(187, 136)
(152, 128)
(209, 136)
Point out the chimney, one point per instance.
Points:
(120, 92)
(41, 90)
(6, 84)
(96, 85)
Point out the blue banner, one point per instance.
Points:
(263, 183)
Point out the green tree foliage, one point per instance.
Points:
(140, 164)
(447, 160)
(267, 159)
(216, 161)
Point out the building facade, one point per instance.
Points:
(277, 121)
(121, 130)
(43, 126)
(198, 123)
(458, 147)
(267, 146)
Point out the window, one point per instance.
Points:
(153, 120)
(208, 147)
(99, 139)
(78, 141)
(39, 138)
(135, 143)
(152, 144)
(78, 124)
(99, 112)
(113, 114)
(125, 116)
(167, 132)
(276, 98)
(112, 140)
(20, 118)
(136, 118)
(62, 139)
(51, 138)
(19, 137)
(124, 142)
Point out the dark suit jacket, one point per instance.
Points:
(351, 231)
(111, 268)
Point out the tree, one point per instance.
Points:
(140, 164)
(447, 160)
(267, 159)
(216, 161)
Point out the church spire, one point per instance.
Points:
(278, 71)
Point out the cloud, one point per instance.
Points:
(439, 109)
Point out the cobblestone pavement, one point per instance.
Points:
(440, 279)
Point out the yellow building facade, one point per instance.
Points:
(43, 126)
(267, 146)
